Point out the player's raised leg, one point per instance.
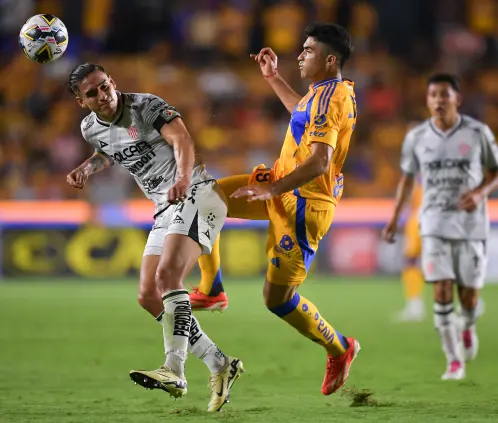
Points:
(210, 295)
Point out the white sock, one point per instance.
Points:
(176, 329)
(469, 318)
(200, 345)
(445, 322)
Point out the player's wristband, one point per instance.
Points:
(272, 75)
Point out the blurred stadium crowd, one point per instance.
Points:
(195, 54)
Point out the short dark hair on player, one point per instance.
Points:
(80, 72)
(334, 36)
(447, 78)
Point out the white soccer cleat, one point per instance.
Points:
(455, 371)
(221, 383)
(470, 343)
(414, 311)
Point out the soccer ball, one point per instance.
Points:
(43, 38)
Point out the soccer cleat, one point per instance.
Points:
(455, 371)
(470, 344)
(162, 378)
(221, 383)
(338, 368)
(414, 311)
(200, 301)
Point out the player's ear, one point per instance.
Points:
(331, 59)
(459, 99)
(81, 102)
(112, 82)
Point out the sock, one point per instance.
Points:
(176, 322)
(209, 264)
(445, 322)
(413, 281)
(200, 345)
(305, 317)
(469, 318)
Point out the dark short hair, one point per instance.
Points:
(447, 78)
(80, 72)
(335, 37)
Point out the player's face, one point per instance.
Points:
(442, 100)
(97, 92)
(313, 60)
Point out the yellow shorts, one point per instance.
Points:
(412, 240)
(296, 227)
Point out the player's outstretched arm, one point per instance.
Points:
(79, 176)
(176, 134)
(316, 165)
(267, 60)
(404, 191)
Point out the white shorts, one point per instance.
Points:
(461, 261)
(200, 217)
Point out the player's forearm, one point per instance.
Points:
(284, 92)
(404, 191)
(185, 156)
(489, 184)
(308, 171)
(95, 164)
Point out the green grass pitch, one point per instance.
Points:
(66, 348)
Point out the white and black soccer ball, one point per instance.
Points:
(43, 38)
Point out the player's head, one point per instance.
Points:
(443, 95)
(325, 51)
(94, 89)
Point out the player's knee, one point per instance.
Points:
(276, 295)
(443, 291)
(169, 276)
(469, 297)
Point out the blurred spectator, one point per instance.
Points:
(194, 54)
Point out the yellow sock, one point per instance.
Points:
(413, 282)
(210, 283)
(305, 317)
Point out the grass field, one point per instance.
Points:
(66, 349)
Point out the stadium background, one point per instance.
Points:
(194, 54)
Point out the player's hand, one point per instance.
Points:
(78, 177)
(255, 192)
(178, 192)
(389, 231)
(267, 60)
(470, 200)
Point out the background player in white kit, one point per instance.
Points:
(457, 158)
(148, 137)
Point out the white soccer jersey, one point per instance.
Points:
(450, 163)
(133, 140)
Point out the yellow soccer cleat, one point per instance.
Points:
(221, 383)
(162, 378)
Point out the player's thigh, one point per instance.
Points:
(201, 216)
(412, 240)
(296, 228)
(471, 260)
(437, 259)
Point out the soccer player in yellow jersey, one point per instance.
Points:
(306, 185)
(412, 278)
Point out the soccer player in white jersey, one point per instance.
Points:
(457, 159)
(148, 137)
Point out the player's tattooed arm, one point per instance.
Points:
(176, 134)
(403, 194)
(79, 176)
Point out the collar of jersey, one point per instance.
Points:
(449, 131)
(325, 81)
(121, 101)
